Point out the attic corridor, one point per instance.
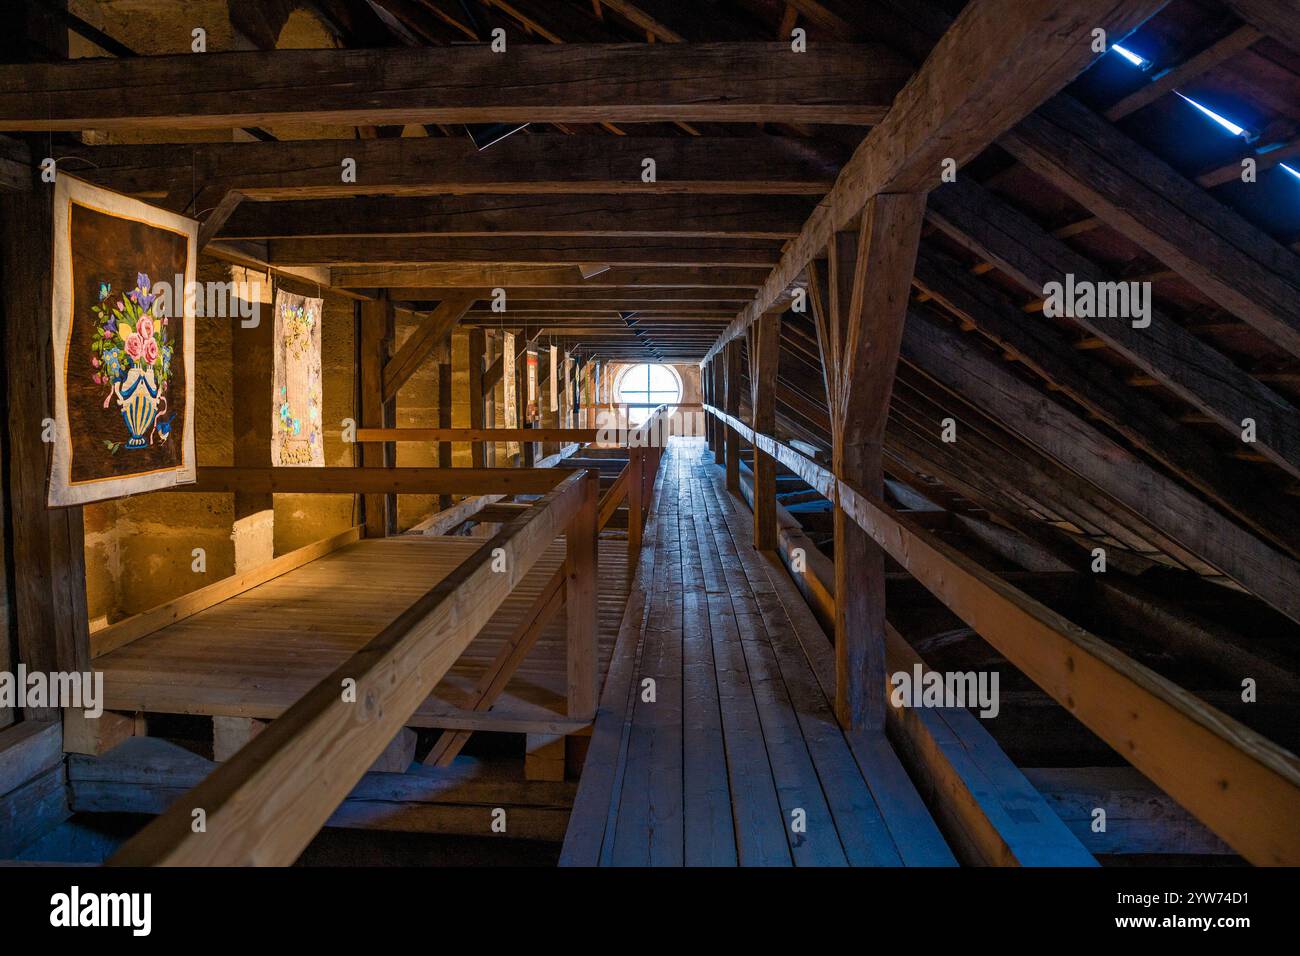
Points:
(732, 755)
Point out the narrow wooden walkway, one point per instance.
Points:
(736, 757)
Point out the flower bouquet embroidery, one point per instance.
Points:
(131, 356)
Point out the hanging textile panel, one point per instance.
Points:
(296, 406)
(123, 345)
(510, 396)
(555, 379)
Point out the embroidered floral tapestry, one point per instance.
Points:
(123, 324)
(296, 403)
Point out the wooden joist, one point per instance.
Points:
(148, 775)
(997, 62)
(413, 280)
(1242, 786)
(527, 250)
(660, 215)
(750, 82)
(379, 481)
(270, 799)
(566, 435)
(451, 167)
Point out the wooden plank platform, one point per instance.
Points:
(258, 652)
(739, 743)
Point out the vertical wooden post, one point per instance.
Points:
(376, 341)
(731, 405)
(443, 353)
(581, 560)
(764, 358)
(48, 544)
(719, 400)
(861, 305)
(635, 496)
(252, 354)
(477, 400)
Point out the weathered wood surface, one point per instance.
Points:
(741, 733)
(256, 653)
(750, 82)
(1184, 745)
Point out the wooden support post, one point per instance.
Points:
(229, 734)
(48, 546)
(731, 405)
(764, 357)
(376, 337)
(544, 757)
(95, 735)
(719, 401)
(706, 385)
(443, 353)
(477, 400)
(860, 302)
(636, 463)
(398, 755)
(581, 544)
(252, 360)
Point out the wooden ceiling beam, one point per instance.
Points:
(766, 217)
(997, 62)
(526, 250)
(1277, 18)
(453, 276)
(425, 166)
(725, 82)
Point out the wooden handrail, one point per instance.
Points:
(378, 481)
(265, 804)
(472, 435)
(1242, 786)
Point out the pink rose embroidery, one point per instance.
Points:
(145, 327)
(134, 345)
(150, 350)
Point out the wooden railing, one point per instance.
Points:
(1242, 786)
(267, 802)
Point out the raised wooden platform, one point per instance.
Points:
(256, 653)
(739, 744)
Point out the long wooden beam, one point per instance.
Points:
(378, 481)
(527, 250)
(476, 434)
(266, 803)
(754, 217)
(446, 167)
(721, 82)
(1239, 784)
(461, 276)
(997, 62)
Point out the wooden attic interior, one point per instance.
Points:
(902, 460)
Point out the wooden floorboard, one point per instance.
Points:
(740, 740)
